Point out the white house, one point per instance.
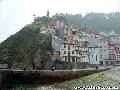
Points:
(84, 55)
(103, 52)
(93, 53)
(68, 52)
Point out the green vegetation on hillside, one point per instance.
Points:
(23, 45)
(96, 21)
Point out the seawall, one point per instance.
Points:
(9, 77)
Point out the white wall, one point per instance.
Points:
(94, 56)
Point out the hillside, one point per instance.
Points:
(96, 21)
(20, 48)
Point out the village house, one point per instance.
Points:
(100, 47)
(80, 45)
(68, 52)
(117, 53)
(93, 54)
(103, 52)
(66, 43)
(115, 38)
(47, 30)
(84, 54)
(111, 51)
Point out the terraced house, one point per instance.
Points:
(80, 45)
(66, 42)
(72, 44)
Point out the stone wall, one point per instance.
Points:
(9, 77)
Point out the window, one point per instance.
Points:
(65, 58)
(73, 59)
(68, 53)
(72, 52)
(96, 57)
(101, 62)
(92, 55)
(64, 45)
(68, 47)
(64, 52)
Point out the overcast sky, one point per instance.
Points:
(14, 14)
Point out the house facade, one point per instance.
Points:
(81, 45)
(103, 52)
(111, 51)
(117, 53)
(94, 56)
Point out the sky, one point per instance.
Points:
(15, 14)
